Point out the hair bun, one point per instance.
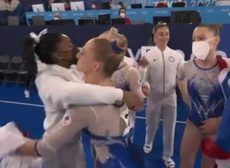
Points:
(122, 42)
(219, 26)
(160, 23)
(116, 48)
(113, 29)
(120, 45)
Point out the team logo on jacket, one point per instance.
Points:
(171, 59)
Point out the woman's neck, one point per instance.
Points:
(97, 79)
(210, 61)
(162, 48)
(65, 65)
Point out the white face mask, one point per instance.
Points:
(122, 15)
(201, 49)
(93, 6)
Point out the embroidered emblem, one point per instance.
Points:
(171, 59)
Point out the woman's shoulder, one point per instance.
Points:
(187, 62)
(186, 66)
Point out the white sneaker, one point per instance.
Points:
(147, 148)
(169, 163)
(27, 93)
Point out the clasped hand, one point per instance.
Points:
(210, 126)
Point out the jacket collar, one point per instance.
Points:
(56, 70)
(166, 49)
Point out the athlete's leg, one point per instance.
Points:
(169, 115)
(190, 145)
(27, 85)
(153, 115)
(207, 162)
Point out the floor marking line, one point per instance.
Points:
(19, 103)
(38, 105)
(178, 122)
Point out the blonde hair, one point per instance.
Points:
(215, 28)
(110, 53)
(114, 34)
(112, 30)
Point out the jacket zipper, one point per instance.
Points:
(163, 58)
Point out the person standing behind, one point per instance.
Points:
(163, 63)
(9, 5)
(94, 5)
(31, 65)
(122, 14)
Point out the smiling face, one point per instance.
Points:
(161, 36)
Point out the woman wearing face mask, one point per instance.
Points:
(202, 93)
(122, 14)
(94, 5)
(57, 16)
(102, 123)
(59, 87)
(161, 76)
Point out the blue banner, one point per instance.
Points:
(209, 14)
(189, 3)
(138, 35)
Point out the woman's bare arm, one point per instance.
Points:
(71, 124)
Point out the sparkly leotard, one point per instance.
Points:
(207, 100)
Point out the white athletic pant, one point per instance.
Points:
(161, 107)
